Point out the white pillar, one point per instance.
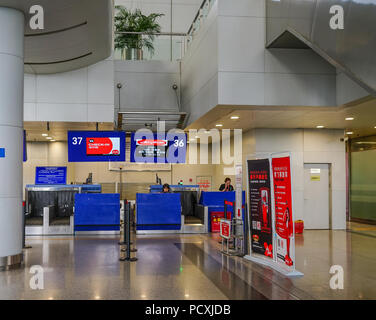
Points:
(12, 24)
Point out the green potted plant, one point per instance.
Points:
(132, 45)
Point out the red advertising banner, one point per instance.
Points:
(284, 222)
(102, 146)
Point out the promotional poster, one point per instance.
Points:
(284, 222)
(260, 212)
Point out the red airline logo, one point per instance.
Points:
(151, 142)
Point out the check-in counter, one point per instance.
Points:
(189, 196)
(158, 213)
(214, 201)
(59, 199)
(97, 213)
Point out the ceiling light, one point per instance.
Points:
(320, 127)
(219, 125)
(349, 132)
(44, 134)
(49, 138)
(349, 119)
(53, 140)
(235, 117)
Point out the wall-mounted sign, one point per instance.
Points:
(315, 177)
(205, 183)
(315, 171)
(51, 175)
(96, 146)
(2, 152)
(148, 147)
(24, 147)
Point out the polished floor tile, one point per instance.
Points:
(191, 267)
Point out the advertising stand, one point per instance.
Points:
(270, 211)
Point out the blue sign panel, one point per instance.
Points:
(2, 152)
(96, 146)
(24, 147)
(148, 147)
(51, 175)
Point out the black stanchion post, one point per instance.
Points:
(24, 228)
(246, 228)
(128, 235)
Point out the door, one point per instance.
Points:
(316, 196)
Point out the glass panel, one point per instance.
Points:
(166, 48)
(363, 178)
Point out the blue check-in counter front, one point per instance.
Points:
(97, 212)
(158, 212)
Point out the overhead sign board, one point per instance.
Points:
(96, 146)
(148, 147)
(50, 175)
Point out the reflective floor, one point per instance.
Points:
(191, 267)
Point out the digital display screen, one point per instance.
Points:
(158, 148)
(96, 146)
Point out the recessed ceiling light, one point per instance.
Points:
(235, 117)
(349, 119)
(320, 127)
(219, 125)
(44, 134)
(349, 132)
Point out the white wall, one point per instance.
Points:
(243, 72)
(84, 95)
(199, 69)
(306, 146)
(348, 90)
(147, 85)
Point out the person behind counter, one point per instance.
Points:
(166, 188)
(226, 186)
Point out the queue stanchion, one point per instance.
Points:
(122, 224)
(246, 228)
(24, 246)
(128, 248)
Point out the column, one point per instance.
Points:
(11, 134)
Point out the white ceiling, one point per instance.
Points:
(77, 33)
(58, 130)
(251, 117)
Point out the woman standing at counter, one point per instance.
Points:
(226, 186)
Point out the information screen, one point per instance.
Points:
(50, 175)
(96, 146)
(151, 147)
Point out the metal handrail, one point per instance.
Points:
(179, 34)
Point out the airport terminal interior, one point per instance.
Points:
(187, 150)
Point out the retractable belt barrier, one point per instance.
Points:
(127, 231)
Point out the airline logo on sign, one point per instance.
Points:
(102, 146)
(151, 142)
